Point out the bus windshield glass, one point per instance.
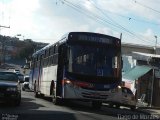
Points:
(92, 60)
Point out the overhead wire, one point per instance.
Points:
(4, 19)
(91, 16)
(131, 18)
(125, 29)
(79, 9)
(146, 6)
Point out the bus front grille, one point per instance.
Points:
(94, 95)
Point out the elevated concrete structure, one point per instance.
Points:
(128, 48)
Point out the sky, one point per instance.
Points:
(48, 20)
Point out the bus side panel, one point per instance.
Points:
(31, 85)
(48, 74)
(40, 78)
(44, 80)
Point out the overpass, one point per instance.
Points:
(128, 48)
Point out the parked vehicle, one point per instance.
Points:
(123, 96)
(25, 85)
(17, 71)
(20, 76)
(26, 67)
(10, 88)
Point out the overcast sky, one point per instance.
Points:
(48, 20)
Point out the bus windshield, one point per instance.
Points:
(92, 60)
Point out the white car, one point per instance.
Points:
(17, 71)
(123, 96)
(25, 85)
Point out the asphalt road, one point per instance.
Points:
(32, 108)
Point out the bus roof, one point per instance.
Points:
(65, 37)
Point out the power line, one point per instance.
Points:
(79, 9)
(91, 15)
(3, 16)
(110, 18)
(131, 18)
(147, 7)
(4, 26)
(131, 32)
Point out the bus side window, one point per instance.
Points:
(51, 50)
(56, 48)
(52, 60)
(42, 56)
(37, 61)
(47, 57)
(43, 62)
(114, 62)
(121, 63)
(47, 53)
(34, 62)
(56, 59)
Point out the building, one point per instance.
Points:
(144, 78)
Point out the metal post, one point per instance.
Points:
(155, 44)
(121, 36)
(3, 44)
(153, 78)
(151, 101)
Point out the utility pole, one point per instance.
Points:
(153, 78)
(4, 26)
(155, 44)
(3, 45)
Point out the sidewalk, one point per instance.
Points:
(149, 109)
(153, 111)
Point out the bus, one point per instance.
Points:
(80, 66)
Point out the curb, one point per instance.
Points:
(152, 108)
(149, 111)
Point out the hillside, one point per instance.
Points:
(11, 48)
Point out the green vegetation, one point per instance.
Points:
(18, 49)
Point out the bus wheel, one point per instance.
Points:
(96, 104)
(56, 101)
(110, 105)
(133, 108)
(117, 106)
(35, 92)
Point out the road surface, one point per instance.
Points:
(32, 108)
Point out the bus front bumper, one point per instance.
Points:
(84, 94)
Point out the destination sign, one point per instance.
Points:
(95, 39)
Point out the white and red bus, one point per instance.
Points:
(80, 66)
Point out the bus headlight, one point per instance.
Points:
(116, 89)
(119, 87)
(67, 82)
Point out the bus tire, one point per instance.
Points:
(35, 92)
(111, 105)
(56, 101)
(117, 106)
(133, 108)
(96, 104)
